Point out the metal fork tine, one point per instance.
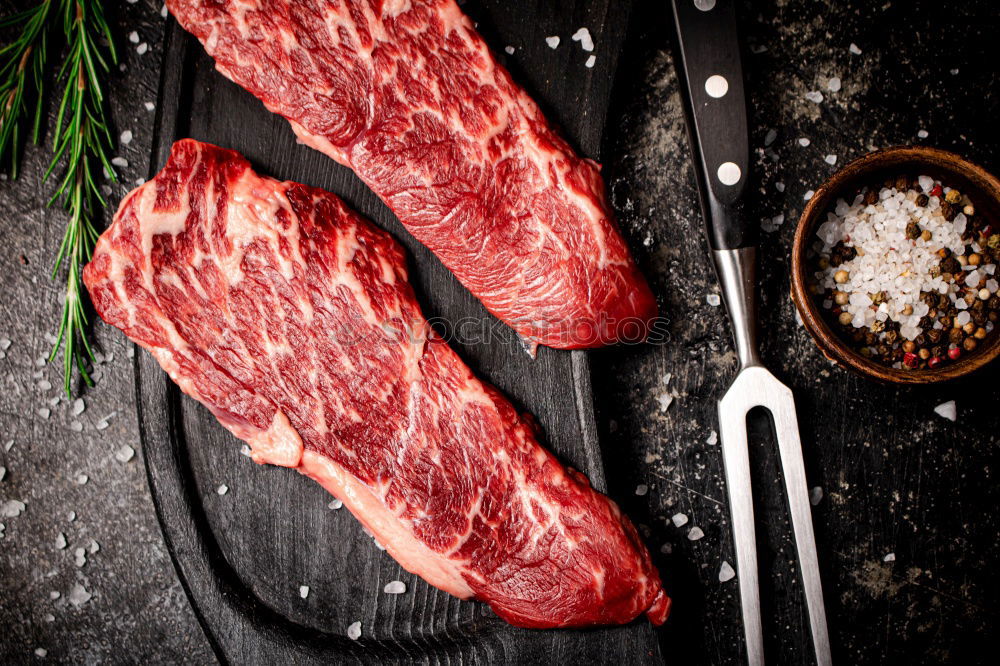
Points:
(782, 406)
(736, 459)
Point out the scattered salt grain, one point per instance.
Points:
(664, 399)
(830, 159)
(354, 631)
(815, 495)
(303, 591)
(590, 61)
(126, 137)
(61, 541)
(82, 479)
(509, 50)
(44, 412)
(245, 451)
(395, 587)
(780, 187)
(713, 300)
(222, 489)
(149, 106)
(922, 134)
(854, 48)
(45, 385)
(164, 11)
(808, 195)
(76, 426)
(833, 85)
(641, 489)
(79, 595)
(679, 519)
(891, 557)
(54, 594)
(713, 438)
(124, 454)
(726, 572)
(12, 508)
(120, 162)
(586, 41)
(49, 617)
(3, 472)
(2, 528)
(41, 652)
(335, 504)
(78, 407)
(553, 42)
(142, 48)
(4, 344)
(8, 445)
(94, 547)
(695, 533)
(133, 37)
(71, 516)
(814, 96)
(947, 410)
(80, 557)
(770, 137)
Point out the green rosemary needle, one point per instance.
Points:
(22, 64)
(82, 141)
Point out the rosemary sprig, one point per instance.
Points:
(21, 65)
(81, 139)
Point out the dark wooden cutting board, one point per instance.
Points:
(243, 555)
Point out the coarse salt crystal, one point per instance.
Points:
(780, 187)
(394, 587)
(126, 137)
(509, 50)
(972, 279)
(41, 652)
(78, 407)
(890, 557)
(922, 134)
(808, 195)
(814, 96)
(354, 631)
(82, 479)
(133, 37)
(60, 541)
(664, 400)
(963, 318)
(583, 36)
(149, 105)
(303, 591)
(641, 489)
(926, 183)
(830, 159)
(713, 438)
(854, 48)
(804, 142)
(679, 519)
(120, 162)
(79, 595)
(815, 495)
(695, 533)
(947, 410)
(124, 454)
(222, 489)
(553, 42)
(590, 61)
(142, 48)
(713, 299)
(726, 572)
(3, 472)
(833, 85)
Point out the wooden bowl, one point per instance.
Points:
(974, 181)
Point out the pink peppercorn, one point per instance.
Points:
(954, 353)
(910, 360)
(934, 361)
(937, 191)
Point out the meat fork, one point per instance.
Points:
(718, 133)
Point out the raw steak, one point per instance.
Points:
(407, 94)
(291, 319)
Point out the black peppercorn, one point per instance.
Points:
(913, 231)
(955, 336)
(935, 335)
(922, 200)
(871, 196)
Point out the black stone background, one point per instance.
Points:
(895, 477)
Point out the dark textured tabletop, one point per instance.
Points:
(906, 519)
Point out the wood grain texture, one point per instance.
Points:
(244, 554)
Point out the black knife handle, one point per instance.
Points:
(710, 55)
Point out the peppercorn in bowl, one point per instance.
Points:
(896, 266)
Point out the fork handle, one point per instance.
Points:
(710, 54)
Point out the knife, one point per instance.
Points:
(710, 55)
